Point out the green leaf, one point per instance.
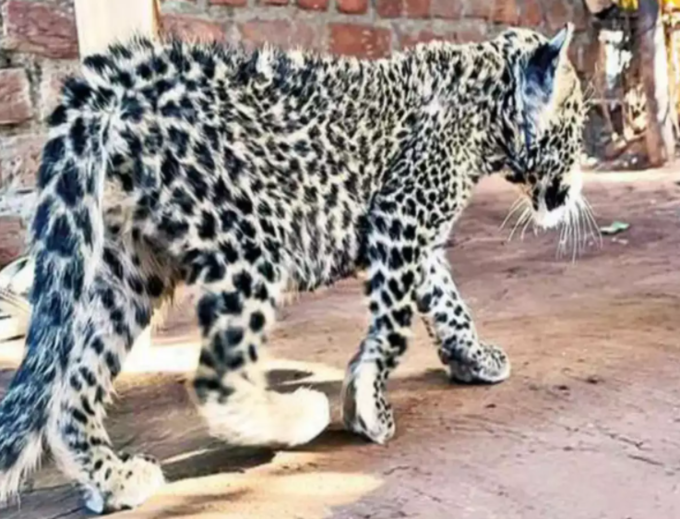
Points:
(614, 228)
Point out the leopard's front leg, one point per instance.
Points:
(449, 323)
(393, 254)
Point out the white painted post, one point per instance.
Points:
(102, 22)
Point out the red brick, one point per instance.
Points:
(425, 36)
(12, 239)
(417, 8)
(15, 99)
(469, 31)
(186, 26)
(19, 159)
(233, 3)
(53, 75)
(314, 5)
(399, 8)
(46, 29)
(557, 14)
(480, 9)
(362, 41)
(506, 12)
(531, 13)
(448, 9)
(281, 33)
(353, 6)
(389, 8)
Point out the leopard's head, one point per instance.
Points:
(542, 139)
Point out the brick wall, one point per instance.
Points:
(369, 28)
(39, 45)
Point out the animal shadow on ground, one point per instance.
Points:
(155, 416)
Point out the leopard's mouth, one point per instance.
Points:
(565, 209)
(574, 220)
(550, 219)
(557, 200)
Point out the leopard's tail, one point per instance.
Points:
(67, 236)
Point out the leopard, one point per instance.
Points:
(246, 174)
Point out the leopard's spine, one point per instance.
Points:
(67, 235)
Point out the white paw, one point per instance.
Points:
(129, 484)
(267, 418)
(365, 410)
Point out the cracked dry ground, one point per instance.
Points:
(588, 426)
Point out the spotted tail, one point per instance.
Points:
(67, 239)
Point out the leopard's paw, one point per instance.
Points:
(480, 364)
(123, 483)
(267, 418)
(365, 410)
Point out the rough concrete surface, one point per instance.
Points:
(587, 427)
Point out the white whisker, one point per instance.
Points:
(589, 226)
(559, 239)
(597, 234)
(561, 245)
(574, 239)
(582, 237)
(516, 206)
(578, 232)
(587, 204)
(526, 214)
(526, 224)
(567, 234)
(576, 229)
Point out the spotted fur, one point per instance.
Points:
(249, 173)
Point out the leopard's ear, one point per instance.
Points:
(539, 78)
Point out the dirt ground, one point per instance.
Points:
(587, 427)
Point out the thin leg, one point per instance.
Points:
(116, 310)
(450, 324)
(235, 311)
(390, 289)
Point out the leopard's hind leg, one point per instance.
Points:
(240, 287)
(117, 308)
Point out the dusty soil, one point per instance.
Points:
(587, 427)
